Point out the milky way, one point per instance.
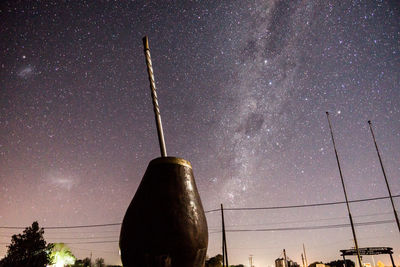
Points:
(243, 88)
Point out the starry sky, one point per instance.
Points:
(243, 87)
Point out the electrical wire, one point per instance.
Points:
(214, 210)
(305, 221)
(94, 242)
(260, 230)
(302, 206)
(65, 227)
(310, 227)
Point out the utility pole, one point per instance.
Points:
(384, 175)
(224, 247)
(305, 256)
(302, 259)
(345, 194)
(284, 255)
(251, 260)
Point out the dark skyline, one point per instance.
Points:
(243, 88)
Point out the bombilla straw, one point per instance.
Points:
(160, 132)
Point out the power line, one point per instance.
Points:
(65, 227)
(214, 210)
(94, 242)
(81, 226)
(208, 211)
(67, 237)
(310, 227)
(91, 249)
(302, 206)
(84, 238)
(260, 230)
(303, 221)
(105, 251)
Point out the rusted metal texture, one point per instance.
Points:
(165, 224)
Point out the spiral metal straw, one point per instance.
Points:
(384, 175)
(160, 132)
(345, 194)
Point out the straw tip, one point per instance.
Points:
(145, 42)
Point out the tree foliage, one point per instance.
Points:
(61, 255)
(215, 261)
(27, 249)
(86, 262)
(340, 263)
(99, 262)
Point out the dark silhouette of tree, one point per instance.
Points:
(314, 264)
(27, 249)
(239, 265)
(100, 262)
(78, 263)
(86, 262)
(340, 263)
(215, 261)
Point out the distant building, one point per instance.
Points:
(280, 262)
(318, 264)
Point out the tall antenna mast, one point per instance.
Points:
(384, 175)
(345, 194)
(160, 132)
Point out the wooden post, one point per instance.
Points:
(224, 247)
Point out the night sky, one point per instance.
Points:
(243, 87)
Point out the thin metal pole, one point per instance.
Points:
(345, 194)
(223, 237)
(391, 258)
(226, 253)
(224, 247)
(160, 132)
(384, 175)
(302, 259)
(223, 253)
(305, 255)
(284, 255)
